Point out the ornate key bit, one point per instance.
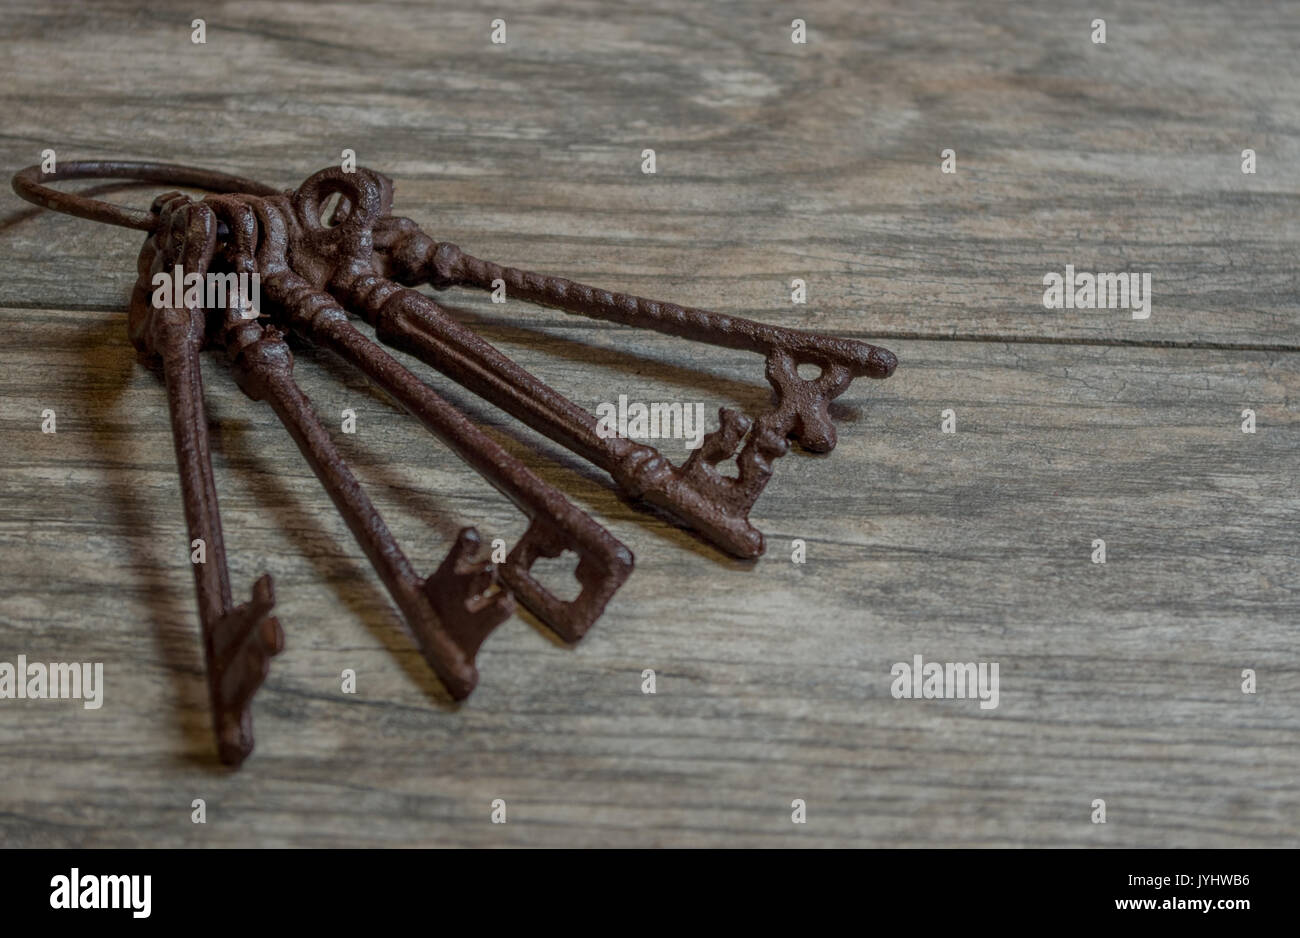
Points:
(242, 643)
(467, 593)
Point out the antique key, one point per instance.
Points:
(696, 493)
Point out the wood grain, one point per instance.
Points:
(775, 160)
(1118, 681)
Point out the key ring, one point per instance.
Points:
(29, 183)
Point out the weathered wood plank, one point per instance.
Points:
(1118, 681)
(775, 160)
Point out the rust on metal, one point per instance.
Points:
(316, 275)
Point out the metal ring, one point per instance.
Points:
(29, 183)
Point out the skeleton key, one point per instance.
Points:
(238, 641)
(713, 504)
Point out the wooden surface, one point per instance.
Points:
(821, 161)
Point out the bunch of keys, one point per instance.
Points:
(318, 275)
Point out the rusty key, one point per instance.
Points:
(715, 505)
(238, 641)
